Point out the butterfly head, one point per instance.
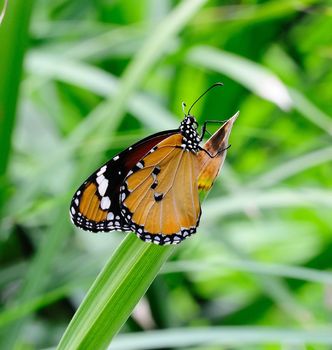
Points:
(191, 138)
(189, 122)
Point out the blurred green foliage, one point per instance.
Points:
(99, 75)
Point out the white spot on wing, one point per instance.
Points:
(103, 187)
(100, 179)
(110, 216)
(105, 203)
(102, 170)
(116, 158)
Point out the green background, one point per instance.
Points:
(81, 80)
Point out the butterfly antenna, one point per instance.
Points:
(210, 88)
(183, 107)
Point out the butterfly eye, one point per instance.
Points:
(195, 124)
(192, 121)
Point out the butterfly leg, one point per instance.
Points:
(215, 155)
(204, 130)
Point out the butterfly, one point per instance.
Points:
(150, 188)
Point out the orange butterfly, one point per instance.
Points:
(150, 188)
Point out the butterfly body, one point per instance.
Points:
(190, 136)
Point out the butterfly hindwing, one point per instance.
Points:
(160, 195)
(96, 204)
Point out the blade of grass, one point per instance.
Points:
(292, 167)
(241, 14)
(187, 337)
(303, 105)
(13, 38)
(3, 11)
(277, 198)
(118, 288)
(295, 272)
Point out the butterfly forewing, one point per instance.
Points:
(96, 204)
(160, 195)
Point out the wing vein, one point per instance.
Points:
(151, 166)
(173, 197)
(191, 177)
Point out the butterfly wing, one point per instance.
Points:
(160, 194)
(95, 205)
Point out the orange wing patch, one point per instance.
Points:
(90, 204)
(161, 201)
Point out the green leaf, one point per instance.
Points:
(311, 111)
(214, 265)
(188, 337)
(292, 167)
(13, 38)
(276, 198)
(112, 297)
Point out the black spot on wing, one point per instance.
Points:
(154, 184)
(158, 196)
